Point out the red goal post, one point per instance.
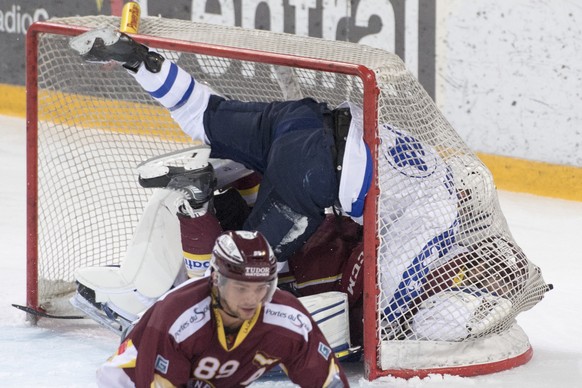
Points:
(88, 126)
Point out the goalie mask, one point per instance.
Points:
(497, 265)
(245, 256)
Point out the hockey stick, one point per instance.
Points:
(42, 314)
(350, 354)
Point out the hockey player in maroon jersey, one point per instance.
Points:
(226, 330)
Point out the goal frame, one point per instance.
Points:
(371, 338)
(370, 98)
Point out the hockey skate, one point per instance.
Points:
(226, 171)
(104, 313)
(106, 44)
(195, 179)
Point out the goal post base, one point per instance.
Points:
(491, 354)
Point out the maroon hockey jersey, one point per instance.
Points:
(181, 340)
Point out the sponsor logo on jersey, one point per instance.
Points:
(191, 320)
(354, 274)
(324, 350)
(288, 318)
(257, 271)
(196, 264)
(298, 320)
(162, 364)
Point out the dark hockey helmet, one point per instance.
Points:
(497, 264)
(245, 256)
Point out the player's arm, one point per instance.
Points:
(120, 370)
(148, 357)
(315, 365)
(313, 361)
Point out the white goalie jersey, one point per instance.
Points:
(418, 211)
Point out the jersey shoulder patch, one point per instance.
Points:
(288, 317)
(191, 320)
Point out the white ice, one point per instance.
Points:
(66, 353)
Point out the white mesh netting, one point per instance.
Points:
(449, 272)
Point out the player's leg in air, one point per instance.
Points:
(269, 137)
(173, 241)
(169, 84)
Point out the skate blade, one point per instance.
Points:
(191, 159)
(116, 326)
(84, 43)
(174, 156)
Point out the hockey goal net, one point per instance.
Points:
(444, 278)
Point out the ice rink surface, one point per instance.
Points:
(66, 353)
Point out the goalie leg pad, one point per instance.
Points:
(153, 258)
(330, 311)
